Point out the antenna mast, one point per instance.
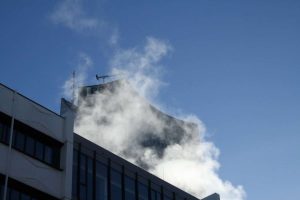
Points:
(103, 77)
(73, 86)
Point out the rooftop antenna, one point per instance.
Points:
(73, 86)
(103, 77)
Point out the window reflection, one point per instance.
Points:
(155, 195)
(116, 190)
(167, 197)
(129, 188)
(101, 181)
(143, 191)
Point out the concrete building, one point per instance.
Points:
(43, 159)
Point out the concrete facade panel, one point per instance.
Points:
(39, 118)
(6, 100)
(35, 174)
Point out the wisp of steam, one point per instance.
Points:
(122, 120)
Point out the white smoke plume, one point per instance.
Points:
(71, 86)
(121, 119)
(70, 14)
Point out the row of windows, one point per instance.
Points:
(93, 180)
(24, 141)
(19, 191)
(13, 194)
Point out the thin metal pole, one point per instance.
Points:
(73, 87)
(8, 161)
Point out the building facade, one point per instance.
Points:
(43, 159)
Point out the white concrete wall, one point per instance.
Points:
(32, 114)
(28, 170)
(36, 174)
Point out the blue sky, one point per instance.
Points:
(234, 64)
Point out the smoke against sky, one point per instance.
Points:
(124, 122)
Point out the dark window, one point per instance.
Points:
(83, 163)
(36, 144)
(14, 195)
(5, 122)
(167, 197)
(30, 141)
(75, 172)
(19, 191)
(90, 178)
(143, 191)
(101, 181)
(155, 195)
(25, 197)
(129, 188)
(29, 146)
(48, 156)
(1, 191)
(19, 140)
(116, 189)
(4, 132)
(39, 150)
(86, 178)
(82, 192)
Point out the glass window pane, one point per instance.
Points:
(90, 178)
(6, 133)
(101, 181)
(15, 135)
(143, 191)
(1, 132)
(82, 192)
(83, 160)
(20, 141)
(48, 154)
(25, 197)
(129, 188)
(1, 191)
(167, 197)
(29, 147)
(116, 192)
(75, 171)
(153, 195)
(14, 195)
(39, 150)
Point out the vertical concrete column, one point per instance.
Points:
(67, 110)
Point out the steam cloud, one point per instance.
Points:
(121, 120)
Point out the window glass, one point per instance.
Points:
(75, 171)
(143, 191)
(129, 188)
(1, 191)
(167, 197)
(39, 150)
(1, 132)
(82, 192)
(116, 192)
(25, 197)
(19, 141)
(15, 135)
(14, 195)
(48, 154)
(101, 181)
(29, 147)
(90, 178)
(83, 161)
(155, 195)
(4, 133)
